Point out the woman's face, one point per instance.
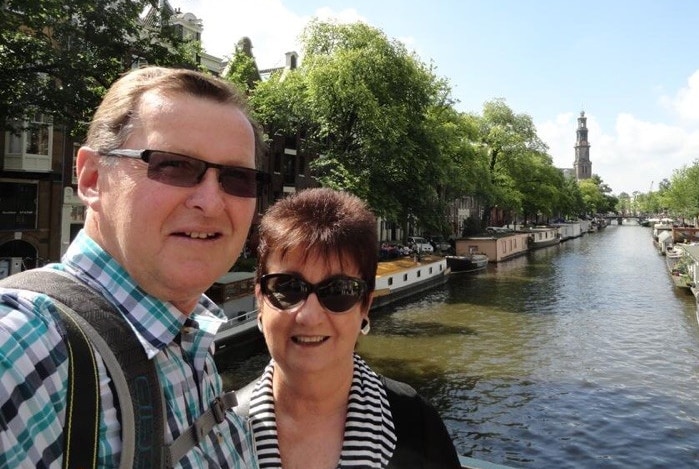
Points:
(309, 338)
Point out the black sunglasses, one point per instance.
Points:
(179, 170)
(337, 294)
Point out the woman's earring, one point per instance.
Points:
(366, 327)
(259, 323)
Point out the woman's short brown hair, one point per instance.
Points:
(322, 222)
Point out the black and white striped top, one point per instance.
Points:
(369, 432)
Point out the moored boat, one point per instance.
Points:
(468, 263)
(498, 244)
(401, 278)
(234, 293)
(678, 264)
(541, 236)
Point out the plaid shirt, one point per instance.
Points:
(34, 366)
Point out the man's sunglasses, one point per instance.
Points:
(179, 170)
(337, 294)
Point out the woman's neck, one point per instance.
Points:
(312, 393)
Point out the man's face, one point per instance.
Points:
(176, 241)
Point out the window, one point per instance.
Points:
(29, 146)
(38, 135)
(74, 172)
(18, 205)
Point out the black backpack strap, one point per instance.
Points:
(134, 376)
(83, 398)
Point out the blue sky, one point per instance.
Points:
(632, 66)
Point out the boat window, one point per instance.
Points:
(430, 270)
(418, 273)
(390, 281)
(405, 277)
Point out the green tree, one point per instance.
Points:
(364, 103)
(542, 186)
(242, 68)
(681, 196)
(463, 168)
(510, 140)
(596, 196)
(58, 57)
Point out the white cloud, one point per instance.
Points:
(272, 28)
(686, 102)
(631, 157)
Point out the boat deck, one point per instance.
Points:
(394, 265)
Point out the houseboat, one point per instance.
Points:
(402, 278)
(569, 230)
(691, 252)
(541, 236)
(475, 262)
(234, 292)
(658, 228)
(497, 245)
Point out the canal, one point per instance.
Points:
(582, 355)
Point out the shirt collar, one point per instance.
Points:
(156, 323)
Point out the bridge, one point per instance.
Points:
(620, 218)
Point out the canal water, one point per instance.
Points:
(582, 355)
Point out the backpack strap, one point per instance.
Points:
(87, 407)
(134, 376)
(189, 438)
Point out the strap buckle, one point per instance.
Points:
(218, 409)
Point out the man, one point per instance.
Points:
(167, 175)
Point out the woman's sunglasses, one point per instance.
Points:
(337, 294)
(179, 170)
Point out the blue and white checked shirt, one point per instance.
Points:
(34, 366)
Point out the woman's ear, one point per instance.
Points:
(258, 299)
(365, 326)
(369, 301)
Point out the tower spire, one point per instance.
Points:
(582, 164)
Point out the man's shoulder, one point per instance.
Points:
(26, 312)
(33, 365)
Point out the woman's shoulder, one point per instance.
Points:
(406, 401)
(423, 439)
(398, 388)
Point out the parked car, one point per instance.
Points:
(420, 244)
(392, 251)
(439, 243)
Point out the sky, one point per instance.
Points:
(631, 66)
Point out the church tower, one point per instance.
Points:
(582, 165)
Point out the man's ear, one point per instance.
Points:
(87, 172)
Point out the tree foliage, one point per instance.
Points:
(59, 57)
(681, 195)
(364, 103)
(384, 127)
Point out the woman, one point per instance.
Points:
(318, 404)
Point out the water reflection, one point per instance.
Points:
(581, 355)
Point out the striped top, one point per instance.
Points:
(34, 370)
(369, 439)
